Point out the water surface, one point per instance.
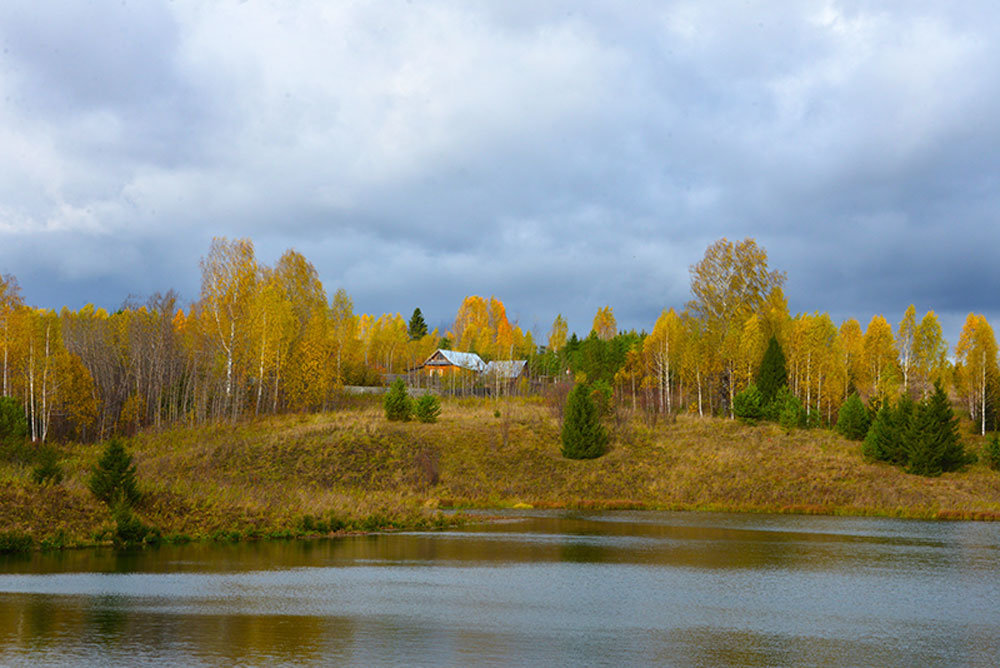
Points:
(543, 588)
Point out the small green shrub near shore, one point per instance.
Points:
(14, 542)
(130, 531)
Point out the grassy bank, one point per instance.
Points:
(351, 470)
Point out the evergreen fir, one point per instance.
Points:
(417, 327)
(791, 414)
(887, 438)
(48, 469)
(397, 402)
(882, 438)
(427, 408)
(772, 375)
(583, 435)
(993, 452)
(113, 481)
(13, 424)
(748, 403)
(852, 420)
(932, 442)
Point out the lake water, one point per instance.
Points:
(540, 588)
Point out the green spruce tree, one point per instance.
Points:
(772, 375)
(792, 415)
(852, 420)
(886, 438)
(747, 405)
(114, 479)
(397, 402)
(417, 327)
(427, 408)
(992, 452)
(932, 443)
(583, 435)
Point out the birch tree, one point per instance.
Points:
(976, 352)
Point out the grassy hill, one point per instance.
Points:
(352, 470)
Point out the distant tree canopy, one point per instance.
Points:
(268, 339)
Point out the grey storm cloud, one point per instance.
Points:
(561, 155)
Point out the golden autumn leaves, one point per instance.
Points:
(264, 339)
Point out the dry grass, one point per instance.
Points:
(351, 469)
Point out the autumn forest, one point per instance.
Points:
(269, 339)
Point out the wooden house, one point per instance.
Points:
(444, 362)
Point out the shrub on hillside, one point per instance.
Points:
(12, 542)
(789, 410)
(13, 432)
(130, 530)
(48, 469)
(583, 435)
(13, 424)
(427, 408)
(852, 420)
(748, 404)
(397, 402)
(114, 481)
(993, 452)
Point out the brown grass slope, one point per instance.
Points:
(261, 477)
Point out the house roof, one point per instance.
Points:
(505, 368)
(470, 361)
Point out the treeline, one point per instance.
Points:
(259, 339)
(268, 339)
(700, 359)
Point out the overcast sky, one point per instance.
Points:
(558, 155)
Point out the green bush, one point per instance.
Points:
(15, 541)
(397, 404)
(427, 408)
(748, 403)
(791, 414)
(13, 424)
(48, 469)
(993, 452)
(60, 540)
(113, 481)
(131, 532)
(583, 435)
(852, 420)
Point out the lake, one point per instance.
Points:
(540, 588)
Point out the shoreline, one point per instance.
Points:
(283, 477)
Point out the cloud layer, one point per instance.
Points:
(561, 157)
